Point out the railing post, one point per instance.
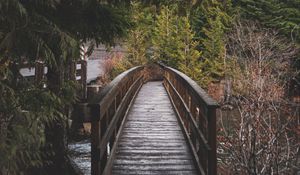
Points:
(95, 139)
(93, 90)
(103, 127)
(83, 78)
(39, 71)
(212, 140)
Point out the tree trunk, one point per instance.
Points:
(56, 131)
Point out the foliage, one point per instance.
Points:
(164, 39)
(188, 55)
(173, 39)
(215, 20)
(35, 22)
(24, 115)
(197, 37)
(206, 43)
(138, 42)
(262, 136)
(114, 65)
(283, 15)
(51, 31)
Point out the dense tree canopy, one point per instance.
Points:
(49, 31)
(280, 14)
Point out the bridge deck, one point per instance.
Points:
(152, 141)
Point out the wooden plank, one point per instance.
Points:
(117, 115)
(157, 167)
(108, 168)
(152, 141)
(196, 158)
(157, 162)
(198, 132)
(151, 172)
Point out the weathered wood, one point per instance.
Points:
(193, 125)
(93, 90)
(108, 93)
(199, 164)
(83, 79)
(95, 152)
(39, 71)
(212, 137)
(108, 109)
(112, 125)
(152, 141)
(108, 168)
(196, 111)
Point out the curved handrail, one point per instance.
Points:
(196, 111)
(113, 84)
(110, 89)
(108, 110)
(193, 86)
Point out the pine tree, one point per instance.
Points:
(188, 55)
(280, 14)
(138, 41)
(164, 39)
(174, 41)
(212, 39)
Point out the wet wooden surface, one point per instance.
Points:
(152, 141)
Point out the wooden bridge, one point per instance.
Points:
(140, 126)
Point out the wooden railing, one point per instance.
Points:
(108, 111)
(39, 73)
(79, 73)
(197, 113)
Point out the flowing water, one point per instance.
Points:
(81, 155)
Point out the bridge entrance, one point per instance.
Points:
(140, 126)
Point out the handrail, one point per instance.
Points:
(108, 111)
(197, 114)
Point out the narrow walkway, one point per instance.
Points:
(152, 141)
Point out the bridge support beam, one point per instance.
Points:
(212, 137)
(39, 71)
(95, 135)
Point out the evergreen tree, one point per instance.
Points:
(138, 41)
(32, 117)
(214, 22)
(280, 14)
(165, 42)
(188, 55)
(174, 41)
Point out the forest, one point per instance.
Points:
(244, 53)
